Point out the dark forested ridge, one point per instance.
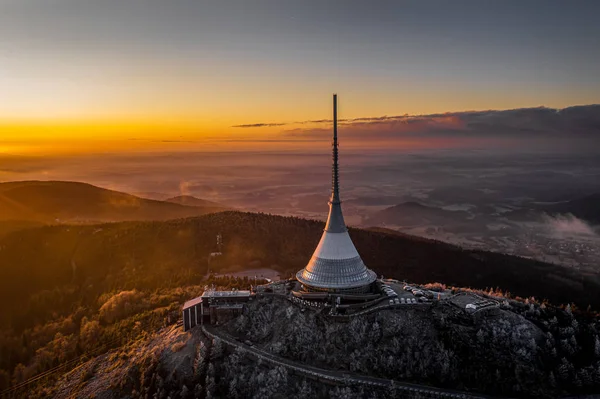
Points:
(146, 255)
(67, 288)
(154, 254)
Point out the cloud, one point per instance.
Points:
(259, 125)
(184, 187)
(568, 225)
(175, 141)
(531, 122)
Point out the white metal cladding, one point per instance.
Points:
(335, 246)
(336, 264)
(336, 273)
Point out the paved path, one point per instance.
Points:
(336, 377)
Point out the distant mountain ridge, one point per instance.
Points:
(587, 208)
(414, 213)
(75, 202)
(189, 200)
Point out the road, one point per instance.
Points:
(336, 377)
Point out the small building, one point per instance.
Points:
(214, 307)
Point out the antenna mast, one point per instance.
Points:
(335, 190)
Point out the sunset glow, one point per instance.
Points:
(78, 73)
(168, 166)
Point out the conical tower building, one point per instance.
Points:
(336, 266)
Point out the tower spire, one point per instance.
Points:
(336, 266)
(335, 189)
(335, 220)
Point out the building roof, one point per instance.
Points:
(228, 306)
(216, 294)
(192, 302)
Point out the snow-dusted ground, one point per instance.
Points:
(496, 351)
(108, 376)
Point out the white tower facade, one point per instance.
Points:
(336, 266)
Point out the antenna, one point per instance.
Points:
(214, 254)
(335, 189)
(335, 220)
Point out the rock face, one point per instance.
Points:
(440, 345)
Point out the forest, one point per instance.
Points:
(89, 329)
(538, 350)
(67, 291)
(523, 349)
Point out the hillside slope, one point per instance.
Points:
(69, 289)
(517, 350)
(59, 201)
(149, 255)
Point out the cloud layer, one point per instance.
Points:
(523, 122)
(568, 225)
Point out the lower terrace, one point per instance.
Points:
(219, 306)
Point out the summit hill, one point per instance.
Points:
(73, 202)
(538, 351)
(68, 291)
(93, 259)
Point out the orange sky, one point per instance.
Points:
(92, 76)
(134, 121)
